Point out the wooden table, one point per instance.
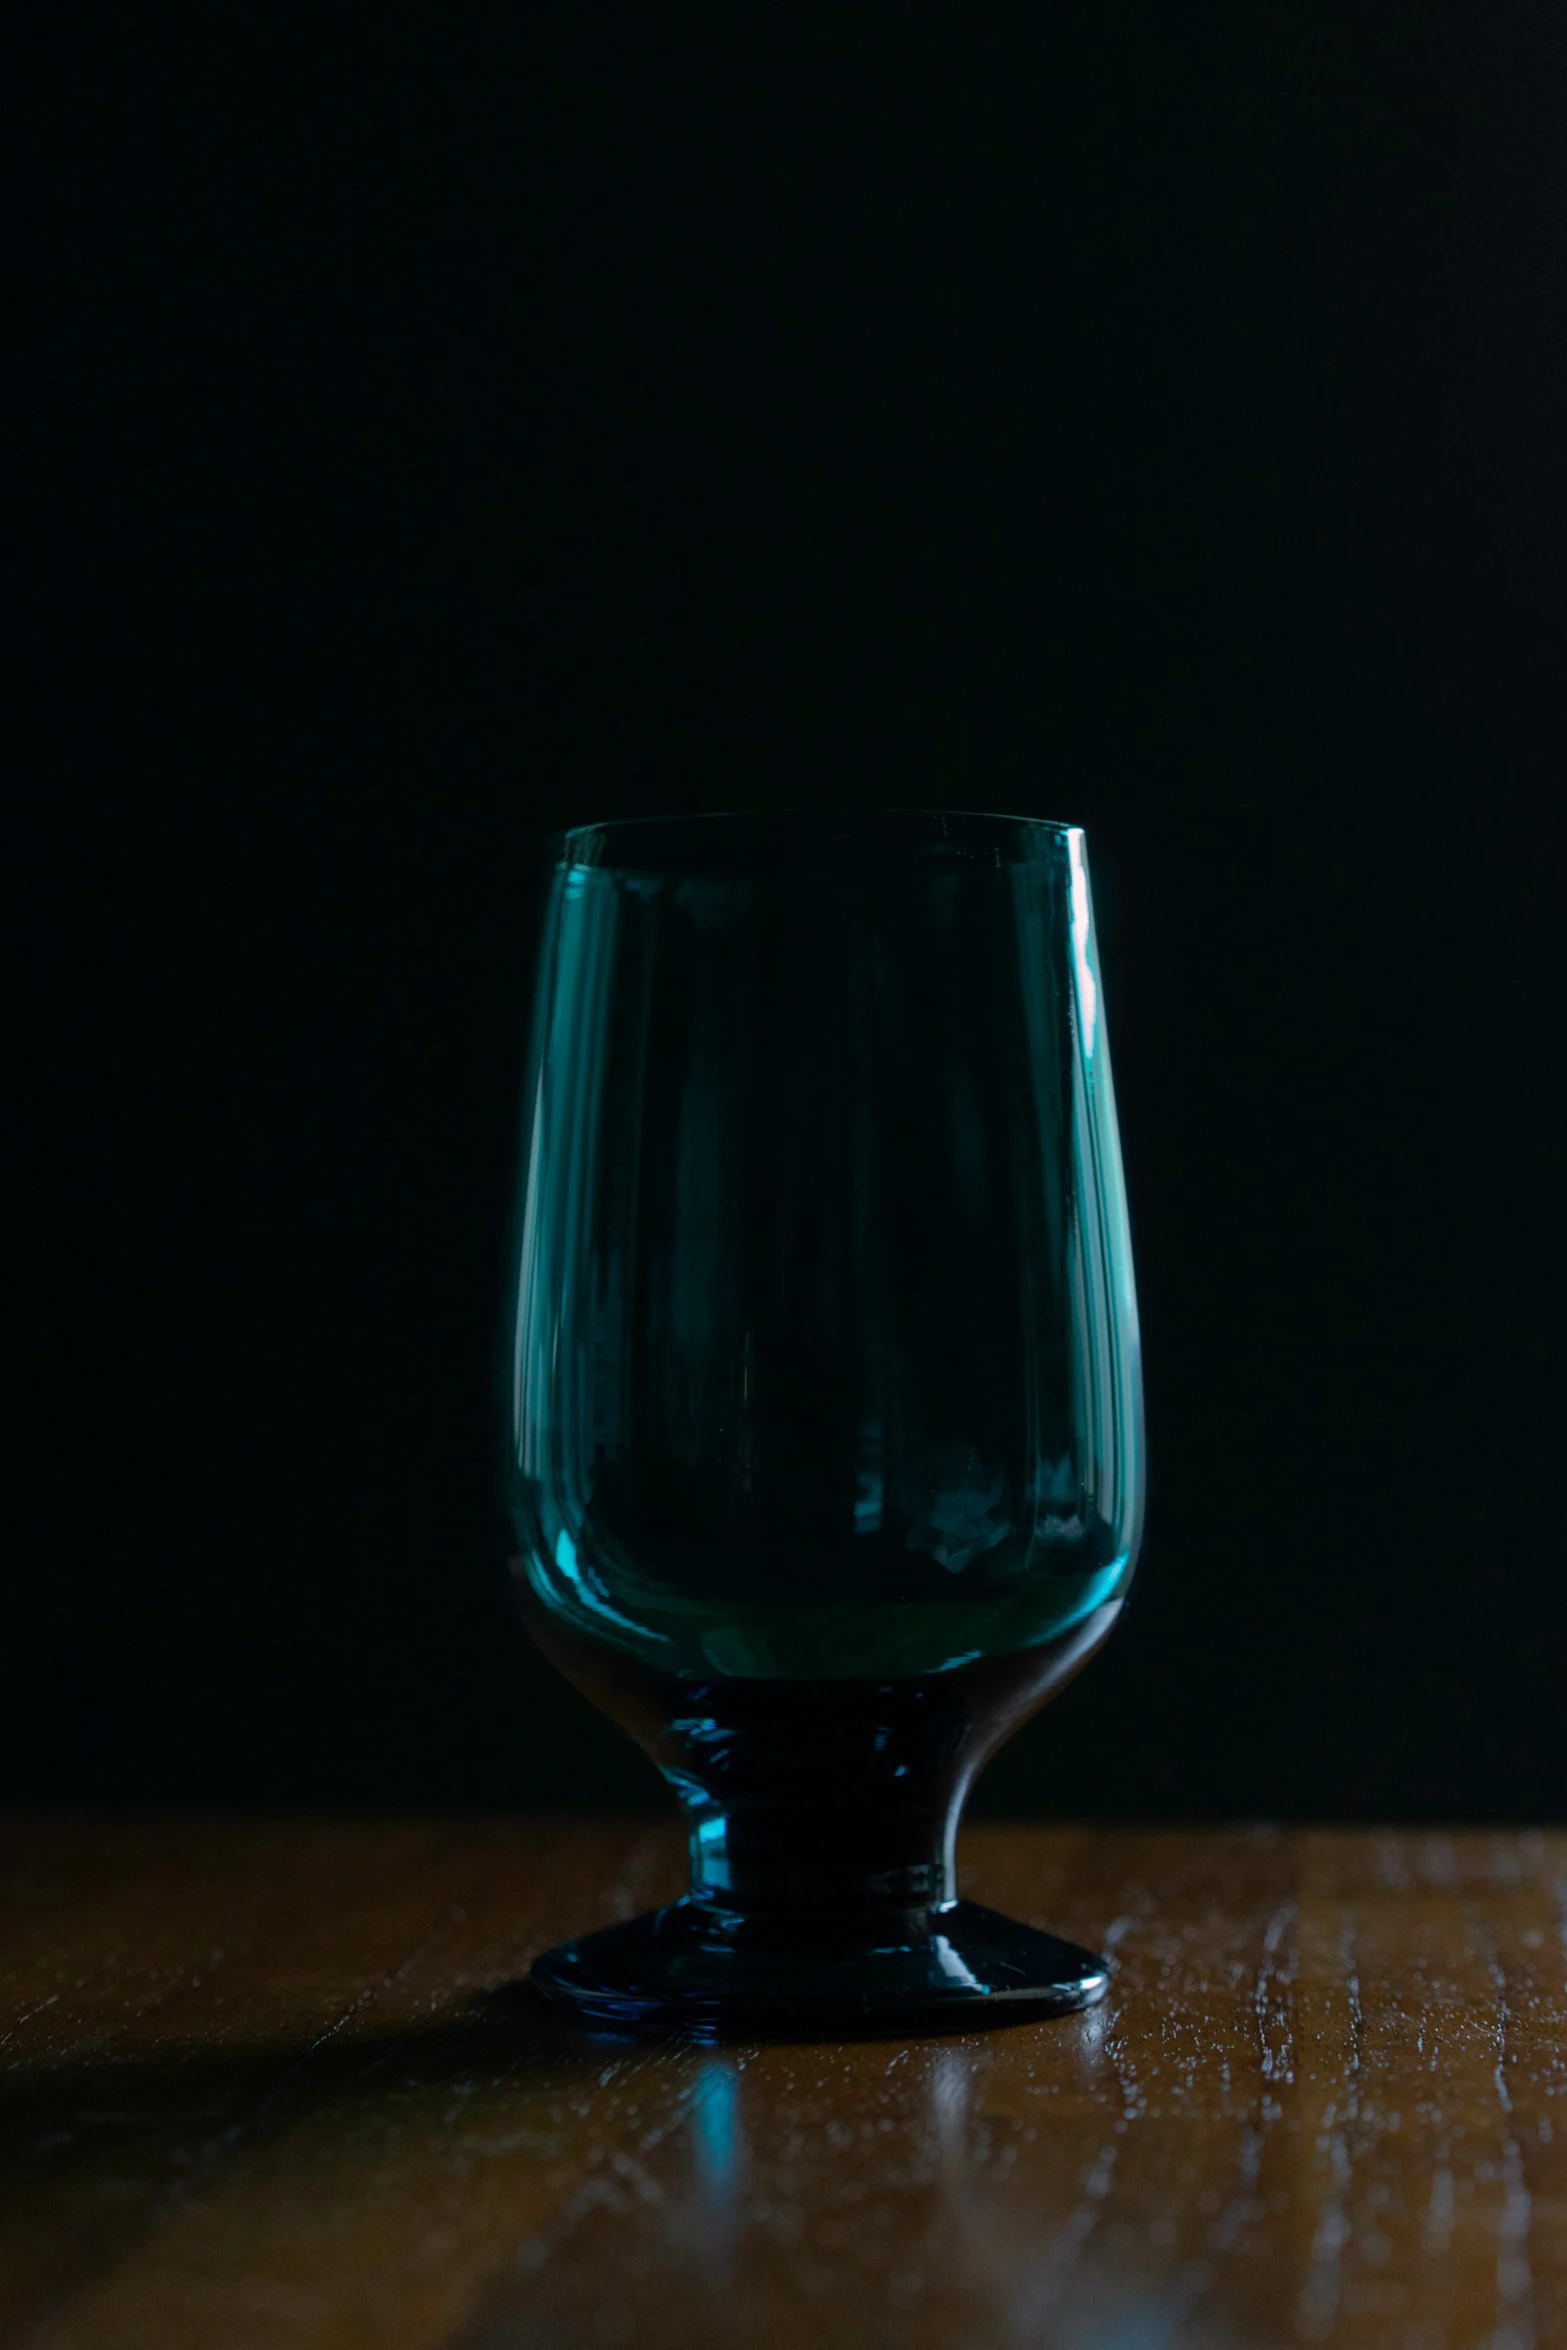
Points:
(262, 2090)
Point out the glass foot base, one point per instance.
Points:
(950, 1969)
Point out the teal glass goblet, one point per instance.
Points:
(824, 1447)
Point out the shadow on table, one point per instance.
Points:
(206, 2090)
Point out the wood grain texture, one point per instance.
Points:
(264, 2089)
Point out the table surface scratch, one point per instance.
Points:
(265, 2086)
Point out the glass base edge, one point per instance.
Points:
(668, 1972)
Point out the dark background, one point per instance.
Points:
(444, 426)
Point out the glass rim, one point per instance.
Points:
(631, 844)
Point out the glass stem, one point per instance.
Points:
(759, 1857)
(821, 1797)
